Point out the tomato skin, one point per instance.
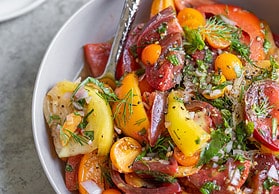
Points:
(151, 166)
(276, 39)
(150, 29)
(157, 121)
(127, 61)
(167, 188)
(162, 76)
(96, 56)
(269, 90)
(245, 20)
(207, 173)
(71, 174)
(258, 173)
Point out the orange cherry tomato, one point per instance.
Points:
(217, 41)
(111, 191)
(90, 169)
(123, 153)
(150, 54)
(185, 160)
(229, 65)
(191, 18)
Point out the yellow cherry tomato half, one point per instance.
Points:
(191, 18)
(150, 54)
(229, 65)
(123, 153)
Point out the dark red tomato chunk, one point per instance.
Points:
(276, 39)
(153, 167)
(259, 173)
(166, 188)
(71, 172)
(163, 29)
(166, 73)
(157, 117)
(227, 181)
(128, 59)
(262, 109)
(96, 57)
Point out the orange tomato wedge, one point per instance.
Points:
(129, 112)
(159, 5)
(90, 169)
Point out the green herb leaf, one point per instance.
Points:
(209, 187)
(218, 140)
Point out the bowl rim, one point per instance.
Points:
(36, 88)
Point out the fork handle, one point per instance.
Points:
(127, 17)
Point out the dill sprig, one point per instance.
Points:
(81, 139)
(126, 105)
(217, 28)
(107, 94)
(262, 108)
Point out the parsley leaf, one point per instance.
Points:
(218, 140)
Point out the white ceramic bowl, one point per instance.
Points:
(94, 22)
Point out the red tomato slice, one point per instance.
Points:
(71, 172)
(262, 108)
(276, 39)
(221, 178)
(245, 20)
(127, 61)
(96, 56)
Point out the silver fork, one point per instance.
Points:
(127, 17)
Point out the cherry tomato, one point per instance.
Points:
(262, 108)
(184, 160)
(229, 65)
(150, 54)
(245, 20)
(191, 18)
(123, 153)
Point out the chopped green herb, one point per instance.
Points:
(269, 183)
(173, 60)
(209, 187)
(68, 168)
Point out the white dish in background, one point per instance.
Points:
(13, 8)
(94, 22)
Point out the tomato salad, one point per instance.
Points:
(194, 107)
